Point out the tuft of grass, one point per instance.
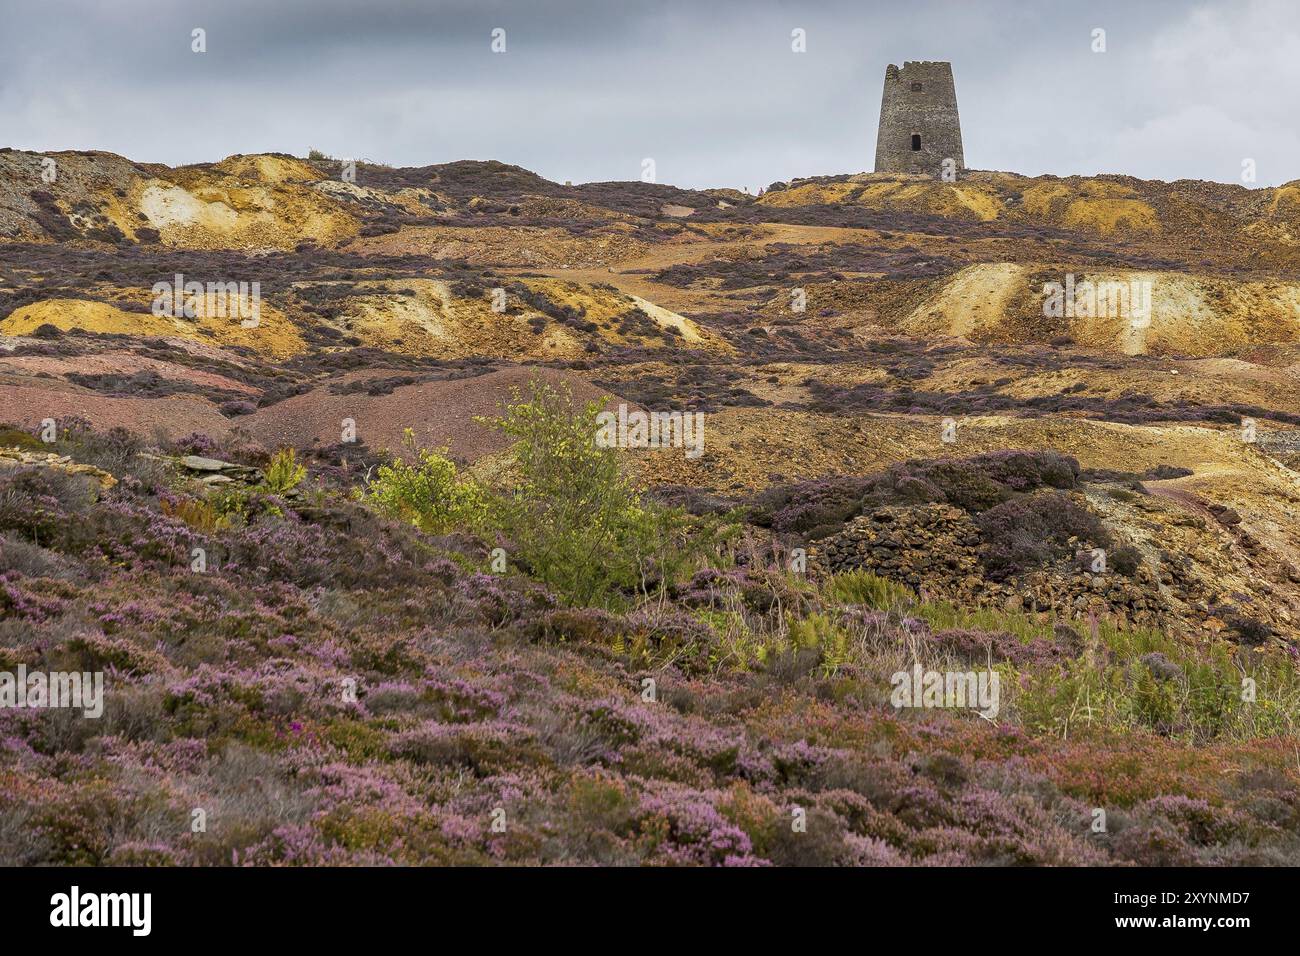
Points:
(943, 615)
(197, 514)
(1207, 697)
(1198, 692)
(17, 438)
(863, 587)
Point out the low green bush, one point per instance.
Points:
(573, 517)
(427, 493)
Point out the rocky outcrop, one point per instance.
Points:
(935, 548)
(17, 458)
(215, 472)
(1074, 593)
(929, 547)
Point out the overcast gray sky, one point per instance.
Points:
(710, 89)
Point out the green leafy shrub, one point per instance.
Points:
(574, 518)
(232, 505)
(284, 473)
(821, 633)
(428, 494)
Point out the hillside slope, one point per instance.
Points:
(361, 581)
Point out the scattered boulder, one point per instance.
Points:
(213, 470)
(1161, 667)
(16, 457)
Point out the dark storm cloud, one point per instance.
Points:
(711, 91)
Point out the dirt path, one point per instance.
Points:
(664, 256)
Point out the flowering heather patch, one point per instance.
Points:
(975, 483)
(335, 687)
(977, 647)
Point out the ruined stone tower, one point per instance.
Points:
(919, 127)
